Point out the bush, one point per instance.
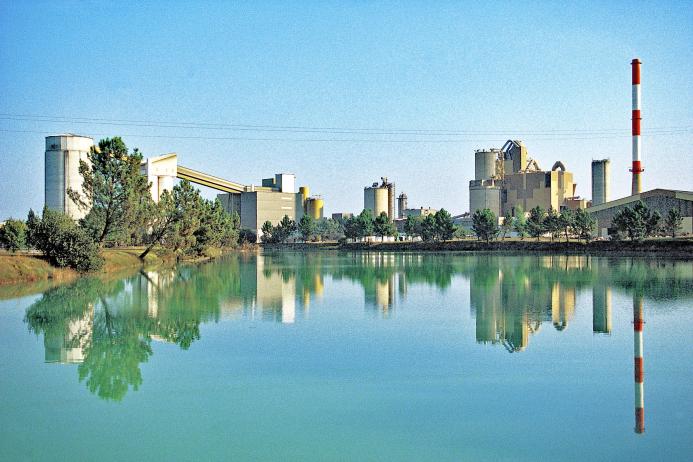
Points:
(13, 235)
(63, 242)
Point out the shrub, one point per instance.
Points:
(63, 242)
(13, 235)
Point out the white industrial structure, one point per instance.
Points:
(63, 153)
(161, 173)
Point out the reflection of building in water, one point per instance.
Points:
(381, 294)
(379, 289)
(638, 364)
(498, 320)
(601, 310)
(562, 305)
(67, 346)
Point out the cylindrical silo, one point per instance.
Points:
(485, 197)
(484, 164)
(600, 181)
(314, 207)
(376, 199)
(401, 205)
(305, 192)
(63, 154)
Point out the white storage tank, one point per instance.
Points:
(63, 153)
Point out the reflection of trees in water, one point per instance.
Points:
(108, 326)
(118, 321)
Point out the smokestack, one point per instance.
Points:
(637, 166)
(638, 363)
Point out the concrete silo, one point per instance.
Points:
(600, 181)
(485, 163)
(380, 198)
(63, 153)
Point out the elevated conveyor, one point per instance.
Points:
(211, 181)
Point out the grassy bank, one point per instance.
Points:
(27, 267)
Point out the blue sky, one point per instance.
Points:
(554, 74)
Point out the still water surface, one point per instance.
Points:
(324, 356)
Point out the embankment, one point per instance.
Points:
(26, 267)
(673, 248)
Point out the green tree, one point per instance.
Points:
(445, 228)
(267, 232)
(672, 222)
(189, 207)
(352, 228)
(413, 226)
(637, 223)
(383, 226)
(583, 224)
(520, 224)
(552, 223)
(485, 224)
(13, 235)
(429, 228)
(535, 222)
(508, 223)
(307, 227)
(329, 229)
(284, 229)
(114, 192)
(566, 221)
(164, 218)
(366, 223)
(63, 242)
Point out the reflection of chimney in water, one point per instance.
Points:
(639, 372)
(601, 310)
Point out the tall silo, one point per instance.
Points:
(63, 154)
(600, 181)
(401, 205)
(375, 198)
(485, 164)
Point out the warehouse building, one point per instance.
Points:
(661, 200)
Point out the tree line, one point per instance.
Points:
(120, 211)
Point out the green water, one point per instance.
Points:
(325, 356)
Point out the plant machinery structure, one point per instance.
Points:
(254, 204)
(507, 179)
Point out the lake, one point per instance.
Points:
(355, 356)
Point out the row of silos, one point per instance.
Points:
(380, 198)
(312, 206)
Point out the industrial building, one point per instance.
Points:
(403, 210)
(379, 198)
(255, 204)
(661, 200)
(342, 215)
(63, 154)
(507, 179)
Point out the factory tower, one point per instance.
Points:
(637, 117)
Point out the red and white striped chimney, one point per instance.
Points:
(637, 165)
(639, 372)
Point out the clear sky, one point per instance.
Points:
(554, 74)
